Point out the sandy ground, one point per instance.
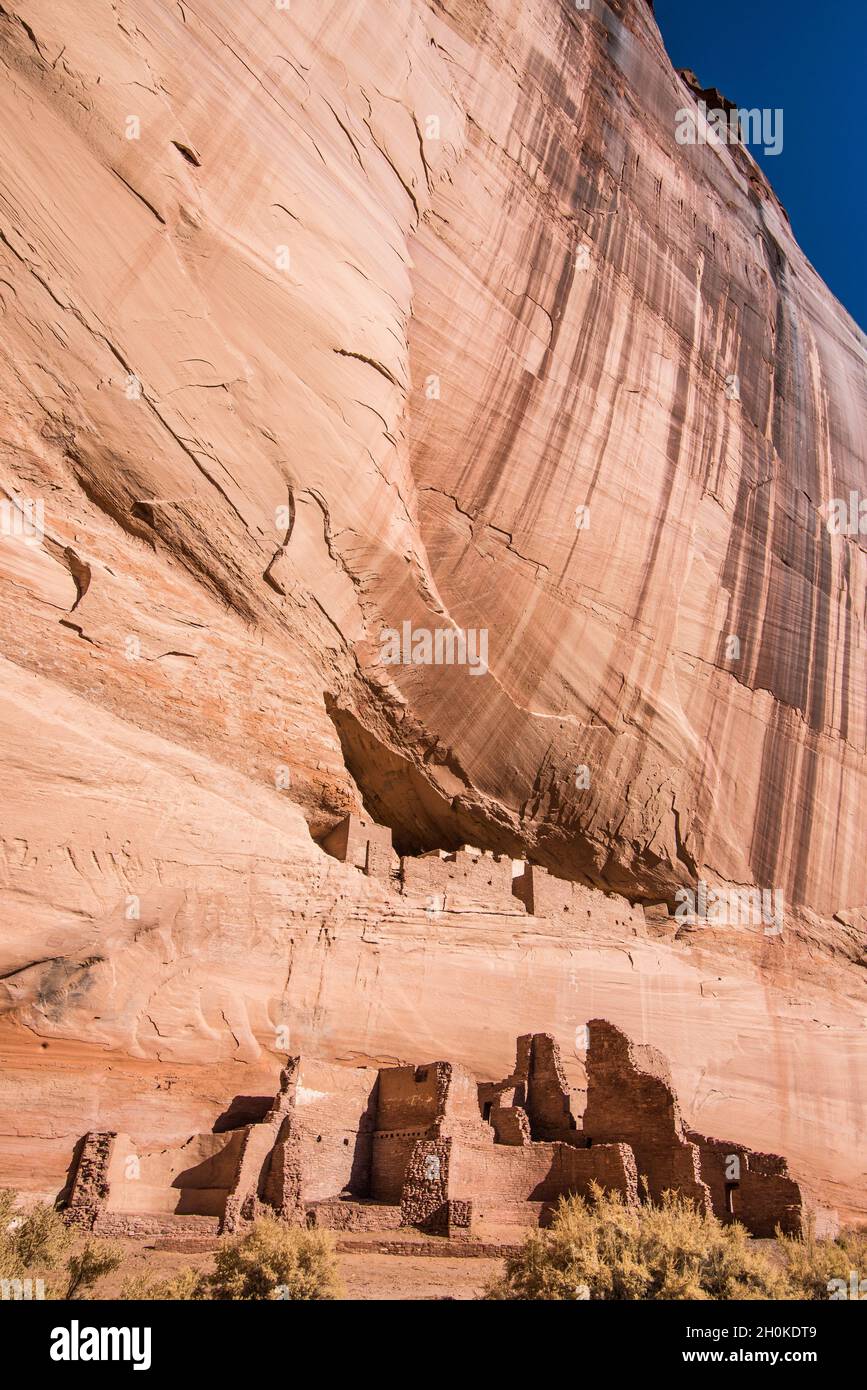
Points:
(365, 1276)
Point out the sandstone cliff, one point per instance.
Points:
(323, 319)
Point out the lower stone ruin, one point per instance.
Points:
(359, 1148)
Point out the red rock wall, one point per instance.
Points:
(248, 471)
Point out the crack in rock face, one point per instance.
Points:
(418, 431)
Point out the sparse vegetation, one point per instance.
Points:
(37, 1244)
(812, 1264)
(603, 1249)
(183, 1287)
(271, 1261)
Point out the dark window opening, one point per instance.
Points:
(486, 1110)
(730, 1197)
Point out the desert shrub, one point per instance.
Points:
(271, 1261)
(812, 1264)
(30, 1240)
(275, 1261)
(183, 1287)
(602, 1248)
(36, 1243)
(87, 1265)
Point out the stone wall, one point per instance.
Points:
(755, 1189)
(424, 1200)
(360, 841)
(115, 1177)
(410, 1097)
(545, 895)
(475, 875)
(435, 1145)
(630, 1096)
(90, 1184)
(548, 1102)
(494, 1178)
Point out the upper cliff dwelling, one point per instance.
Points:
(443, 878)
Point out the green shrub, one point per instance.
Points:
(35, 1243)
(602, 1248)
(275, 1261)
(183, 1287)
(30, 1240)
(271, 1261)
(87, 1265)
(812, 1264)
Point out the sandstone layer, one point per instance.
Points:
(326, 319)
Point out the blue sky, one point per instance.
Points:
(811, 60)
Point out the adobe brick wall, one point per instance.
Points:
(542, 894)
(630, 1099)
(510, 1124)
(460, 1113)
(183, 1232)
(322, 1122)
(353, 1216)
(484, 877)
(539, 1087)
(334, 1111)
(414, 1103)
(360, 841)
(363, 1133)
(542, 1172)
(763, 1195)
(629, 1092)
(763, 1202)
(391, 1153)
(612, 1166)
(282, 1183)
(411, 1097)
(545, 895)
(114, 1176)
(548, 1102)
(243, 1200)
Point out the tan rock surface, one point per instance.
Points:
(215, 373)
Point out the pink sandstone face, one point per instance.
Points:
(399, 421)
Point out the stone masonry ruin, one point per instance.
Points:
(469, 875)
(363, 1148)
